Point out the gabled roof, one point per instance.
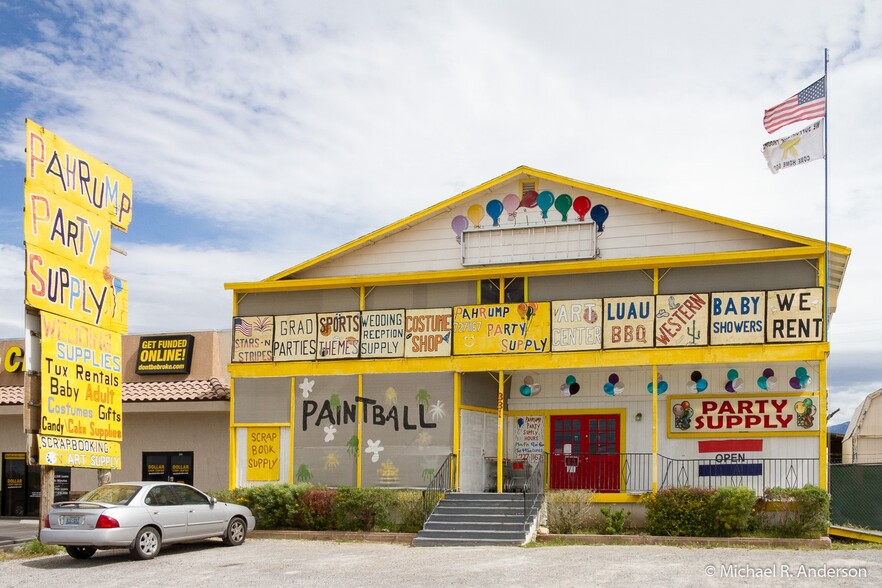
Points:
(838, 257)
(857, 420)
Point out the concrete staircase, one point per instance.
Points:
(479, 519)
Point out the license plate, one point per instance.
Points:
(71, 520)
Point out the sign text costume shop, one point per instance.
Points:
(406, 419)
(71, 202)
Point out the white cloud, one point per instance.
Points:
(11, 292)
(294, 127)
(181, 288)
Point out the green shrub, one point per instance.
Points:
(614, 520)
(315, 510)
(796, 512)
(234, 496)
(730, 511)
(680, 512)
(569, 511)
(362, 509)
(274, 505)
(407, 507)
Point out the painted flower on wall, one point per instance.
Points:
(391, 396)
(330, 431)
(374, 448)
(388, 472)
(306, 387)
(332, 462)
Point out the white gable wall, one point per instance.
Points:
(631, 231)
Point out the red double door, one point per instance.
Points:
(585, 452)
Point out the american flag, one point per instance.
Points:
(810, 103)
(242, 326)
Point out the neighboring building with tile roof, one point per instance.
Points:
(174, 424)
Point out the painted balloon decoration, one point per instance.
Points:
(599, 214)
(801, 379)
(662, 386)
(614, 386)
(530, 199)
(510, 204)
(562, 204)
(570, 387)
(805, 411)
(459, 224)
(767, 381)
(530, 388)
(520, 422)
(494, 209)
(476, 214)
(545, 201)
(733, 382)
(683, 415)
(696, 383)
(527, 310)
(581, 205)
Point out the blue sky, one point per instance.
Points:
(258, 135)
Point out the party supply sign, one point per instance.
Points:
(753, 414)
(61, 227)
(501, 328)
(530, 438)
(55, 167)
(62, 286)
(81, 380)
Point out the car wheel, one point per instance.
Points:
(80, 552)
(147, 543)
(236, 530)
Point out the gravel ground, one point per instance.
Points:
(270, 562)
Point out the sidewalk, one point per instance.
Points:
(15, 531)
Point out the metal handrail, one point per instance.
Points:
(534, 484)
(440, 484)
(757, 473)
(612, 472)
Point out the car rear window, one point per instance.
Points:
(111, 494)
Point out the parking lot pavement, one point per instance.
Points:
(275, 562)
(14, 531)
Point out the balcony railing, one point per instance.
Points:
(756, 474)
(608, 472)
(632, 472)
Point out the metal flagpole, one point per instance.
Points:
(824, 449)
(826, 221)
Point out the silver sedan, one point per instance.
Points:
(141, 517)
